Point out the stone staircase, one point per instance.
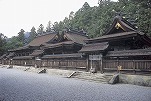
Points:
(97, 77)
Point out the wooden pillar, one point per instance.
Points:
(134, 67)
(40, 65)
(59, 63)
(87, 65)
(47, 62)
(101, 65)
(53, 62)
(33, 62)
(76, 63)
(68, 63)
(117, 64)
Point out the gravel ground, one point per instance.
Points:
(17, 85)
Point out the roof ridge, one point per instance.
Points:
(44, 34)
(122, 23)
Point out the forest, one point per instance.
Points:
(93, 20)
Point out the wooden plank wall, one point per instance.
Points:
(23, 62)
(66, 63)
(133, 65)
(127, 64)
(52, 63)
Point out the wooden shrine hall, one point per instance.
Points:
(121, 47)
(50, 50)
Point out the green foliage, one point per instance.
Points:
(48, 28)
(96, 20)
(21, 38)
(13, 43)
(2, 44)
(16, 41)
(40, 30)
(143, 15)
(32, 35)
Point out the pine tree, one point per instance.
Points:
(2, 43)
(33, 34)
(21, 37)
(40, 30)
(48, 28)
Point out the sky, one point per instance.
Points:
(24, 14)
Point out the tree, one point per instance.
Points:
(32, 35)
(2, 43)
(21, 37)
(96, 20)
(48, 28)
(56, 27)
(85, 7)
(40, 30)
(143, 15)
(71, 15)
(13, 43)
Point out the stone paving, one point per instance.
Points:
(18, 85)
(97, 77)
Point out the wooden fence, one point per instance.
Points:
(66, 63)
(23, 62)
(131, 65)
(51, 63)
(135, 65)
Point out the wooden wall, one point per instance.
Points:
(23, 62)
(134, 65)
(85, 64)
(65, 63)
(53, 63)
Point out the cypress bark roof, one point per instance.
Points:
(3, 56)
(23, 57)
(137, 52)
(95, 47)
(58, 56)
(42, 39)
(119, 30)
(60, 44)
(37, 52)
(75, 38)
(37, 42)
(10, 55)
(120, 22)
(114, 36)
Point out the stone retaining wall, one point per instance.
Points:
(140, 80)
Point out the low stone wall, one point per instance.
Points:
(135, 79)
(140, 80)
